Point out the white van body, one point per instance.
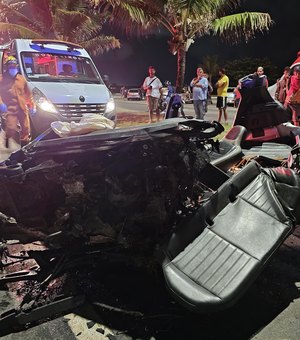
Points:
(59, 96)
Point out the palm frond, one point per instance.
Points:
(72, 5)
(100, 44)
(242, 25)
(138, 11)
(18, 31)
(72, 18)
(200, 7)
(130, 16)
(13, 15)
(41, 9)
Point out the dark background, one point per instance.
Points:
(129, 64)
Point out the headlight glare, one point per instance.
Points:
(110, 106)
(42, 102)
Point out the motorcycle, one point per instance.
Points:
(174, 107)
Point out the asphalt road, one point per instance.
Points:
(123, 105)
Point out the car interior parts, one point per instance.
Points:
(212, 260)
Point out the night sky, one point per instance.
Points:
(129, 64)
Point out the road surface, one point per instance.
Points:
(123, 105)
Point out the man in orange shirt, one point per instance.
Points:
(15, 103)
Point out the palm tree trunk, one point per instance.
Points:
(181, 61)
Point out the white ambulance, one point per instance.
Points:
(64, 81)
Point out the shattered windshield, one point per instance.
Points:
(48, 67)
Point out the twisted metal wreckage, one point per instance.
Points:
(210, 213)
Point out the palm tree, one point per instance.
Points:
(187, 20)
(70, 20)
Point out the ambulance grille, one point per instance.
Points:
(78, 110)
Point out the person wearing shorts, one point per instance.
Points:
(222, 87)
(153, 87)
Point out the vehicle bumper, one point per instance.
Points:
(41, 120)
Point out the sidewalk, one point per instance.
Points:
(286, 325)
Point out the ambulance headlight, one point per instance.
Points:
(42, 102)
(110, 106)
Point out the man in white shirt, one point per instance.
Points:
(153, 87)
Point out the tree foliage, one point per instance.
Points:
(81, 21)
(70, 20)
(187, 20)
(210, 65)
(238, 68)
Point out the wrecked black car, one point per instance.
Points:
(210, 214)
(128, 185)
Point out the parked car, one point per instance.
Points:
(230, 96)
(134, 94)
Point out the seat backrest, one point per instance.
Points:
(230, 189)
(235, 135)
(205, 215)
(243, 178)
(258, 109)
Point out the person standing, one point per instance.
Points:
(209, 92)
(293, 95)
(222, 87)
(153, 87)
(16, 103)
(282, 85)
(237, 94)
(199, 87)
(171, 89)
(260, 79)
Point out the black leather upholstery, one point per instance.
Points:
(213, 259)
(270, 150)
(258, 109)
(230, 149)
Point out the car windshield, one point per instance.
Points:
(133, 91)
(48, 67)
